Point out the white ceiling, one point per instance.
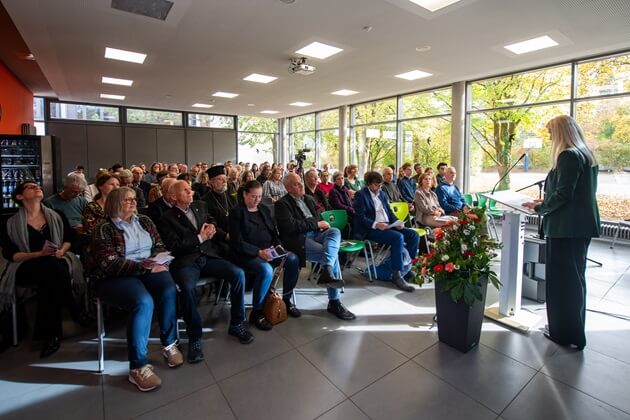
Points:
(210, 45)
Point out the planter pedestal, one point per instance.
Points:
(459, 325)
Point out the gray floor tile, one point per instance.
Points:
(597, 288)
(286, 387)
(411, 392)
(595, 374)
(408, 334)
(344, 411)
(608, 335)
(351, 360)
(532, 349)
(311, 325)
(545, 398)
(123, 400)
(207, 403)
(484, 374)
(225, 356)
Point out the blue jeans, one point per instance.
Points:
(187, 277)
(264, 273)
(397, 239)
(323, 247)
(138, 295)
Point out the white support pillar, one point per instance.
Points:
(343, 130)
(458, 134)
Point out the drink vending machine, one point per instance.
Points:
(24, 157)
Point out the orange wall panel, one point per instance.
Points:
(16, 102)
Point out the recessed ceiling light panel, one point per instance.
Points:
(108, 96)
(530, 45)
(225, 94)
(122, 55)
(269, 111)
(433, 5)
(345, 92)
(198, 105)
(260, 78)
(115, 81)
(319, 50)
(298, 103)
(414, 75)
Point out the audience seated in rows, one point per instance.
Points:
(156, 192)
(138, 182)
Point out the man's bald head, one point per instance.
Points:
(181, 194)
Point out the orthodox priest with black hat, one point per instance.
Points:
(220, 202)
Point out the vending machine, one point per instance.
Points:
(24, 157)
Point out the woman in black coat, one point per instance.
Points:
(253, 235)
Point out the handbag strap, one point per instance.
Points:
(277, 273)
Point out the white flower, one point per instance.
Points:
(455, 226)
(445, 257)
(456, 266)
(464, 248)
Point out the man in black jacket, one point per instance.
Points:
(219, 202)
(189, 232)
(303, 233)
(157, 208)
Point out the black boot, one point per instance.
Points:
(399, 282)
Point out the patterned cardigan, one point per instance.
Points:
(107, 250)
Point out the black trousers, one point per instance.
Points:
(52, 278)
(566, 289)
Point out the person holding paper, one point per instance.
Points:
(126, 277)
(253, 238)
(426, 202)
(35, 242)
(373, 218)
(571, 219)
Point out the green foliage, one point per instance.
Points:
(257, 124)
(460, 258)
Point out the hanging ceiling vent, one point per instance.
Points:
(158, 9)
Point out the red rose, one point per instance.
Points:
(468, 253)
(464, 222)
(423, 271)
(415, 260)
(438, 268)
(473, 216)
(449, 267)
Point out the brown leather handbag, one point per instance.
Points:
(275, 310)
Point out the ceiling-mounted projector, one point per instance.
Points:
(300, 66)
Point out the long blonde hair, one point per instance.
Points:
(566, 134)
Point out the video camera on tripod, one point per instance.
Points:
(300, 157)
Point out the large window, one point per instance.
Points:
(210, 121)
(39, 115)
(257, 139)
(83, 112)
(153, 117)
(374, 147)
(427, 141)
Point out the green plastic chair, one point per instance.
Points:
(339, 219)
(401, 211)
(468, 198)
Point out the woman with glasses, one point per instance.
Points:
(125, 276)
(36, 241)
(253, 234)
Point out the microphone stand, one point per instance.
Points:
(507, 173)
(541, 234)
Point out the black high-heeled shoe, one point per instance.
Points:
(50, 346)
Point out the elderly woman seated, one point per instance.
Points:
(253, 234)
(126, 276)
(274, 188)
(36, 241)
(426, 203)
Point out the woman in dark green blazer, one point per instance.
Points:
(571, 219)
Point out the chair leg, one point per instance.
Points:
(612, 246)
(101, 335)
(216, 302)
(15, 323)
(367, 264)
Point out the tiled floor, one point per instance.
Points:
(388, 364)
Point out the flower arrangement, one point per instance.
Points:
(460, 257)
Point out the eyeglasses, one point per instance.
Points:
(31, 187)
(130, 200)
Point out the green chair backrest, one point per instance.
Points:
(400, 210)
(469, 199)
(483, 201)
(336, 218)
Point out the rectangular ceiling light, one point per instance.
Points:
(225, 94)
(198, 105)
(259, 78)
(318, 50)
(269, 111)
(115, 81)
(345, 92)
(117, 97)
(414, 75)
(300, 103)
(530, 45)
(433, 5)
(122, 55)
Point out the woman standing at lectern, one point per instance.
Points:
(571, 219)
